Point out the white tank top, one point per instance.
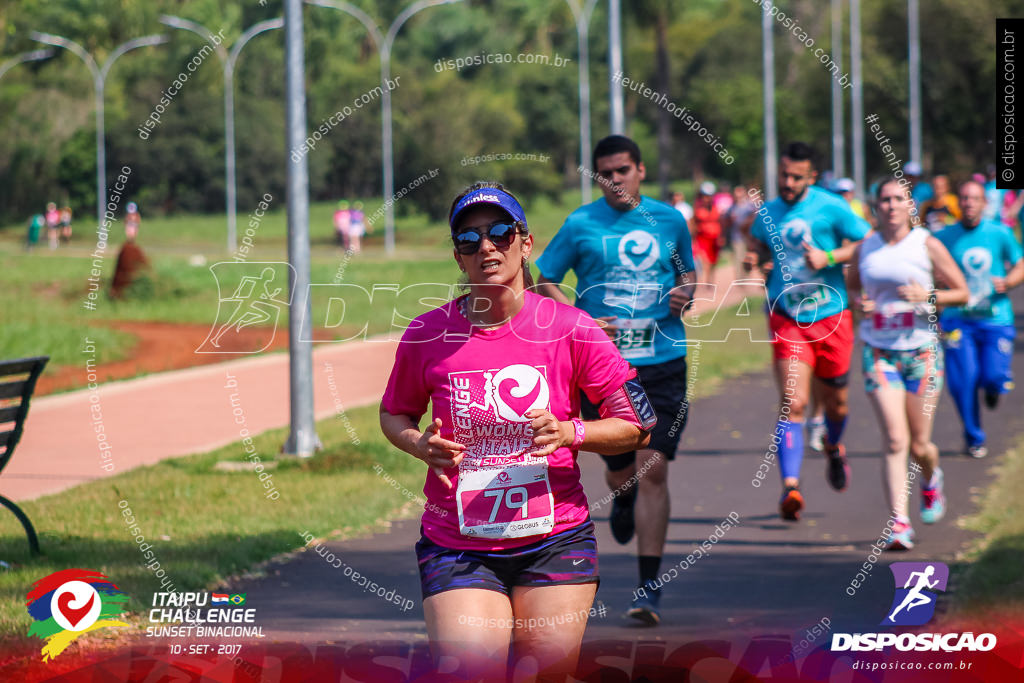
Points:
(897, 324)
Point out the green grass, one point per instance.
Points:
(991, 578)
(43, 292)
(207, 525)
(207, 233)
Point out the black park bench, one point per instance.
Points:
(17, 382)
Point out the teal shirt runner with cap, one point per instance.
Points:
(626, 264)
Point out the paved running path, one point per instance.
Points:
(189, 411)
(764, 577)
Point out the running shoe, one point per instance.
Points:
(979, 451)
(838, 471)
(991, 400)
(933, 501)
(816, 432)
(621, 517)
(901, 537)
(791, 504)
(644, 608)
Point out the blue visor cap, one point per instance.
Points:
(488, 195)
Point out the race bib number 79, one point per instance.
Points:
(506, 502)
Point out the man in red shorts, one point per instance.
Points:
(806, 234)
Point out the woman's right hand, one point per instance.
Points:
(437, 452)
(866, 305)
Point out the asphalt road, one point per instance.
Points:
(765, 576)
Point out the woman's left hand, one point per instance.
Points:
(549, 434)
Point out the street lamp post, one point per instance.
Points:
(857, 101)
(582, 16)
(838, 146)
(33, 56)
(302, 439)
(618, 115)
(228, 60)
(384, 43)
(99, 79)
(914, 63)
(771, 151)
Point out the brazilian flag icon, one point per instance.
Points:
(238, 598)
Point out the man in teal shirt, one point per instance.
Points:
(634, 266)
(978, 338)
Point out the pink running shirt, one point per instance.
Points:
(480, 383)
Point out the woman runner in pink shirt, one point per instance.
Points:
(507, 557)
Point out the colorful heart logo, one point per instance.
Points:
(75, 605)
(74, 615)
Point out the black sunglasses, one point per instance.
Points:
(501, 235)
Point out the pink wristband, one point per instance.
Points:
(577, 439)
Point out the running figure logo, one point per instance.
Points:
(255, 301)
(917, 586)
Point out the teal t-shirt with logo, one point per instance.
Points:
(982, 252)
(823, 220)
(626, 263)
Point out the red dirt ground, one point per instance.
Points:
(160, 347)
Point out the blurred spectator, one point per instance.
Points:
(132, 221)
(680, 204)
(35, 226)
(845, 187)
(723, 200)
(942, 209)
(342, 224)
(357, 228)
(65, 224)
(997, 202)
(737, 223)
(707, 232)
(52, 221)
(919, 190)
